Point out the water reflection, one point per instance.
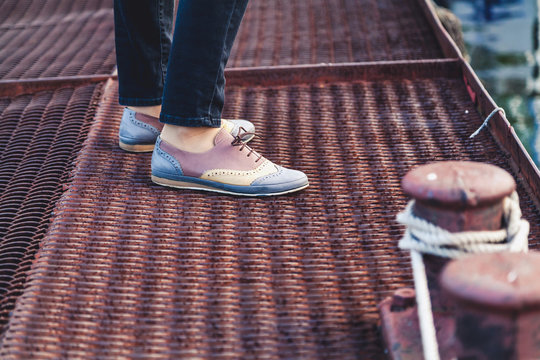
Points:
(501, 37)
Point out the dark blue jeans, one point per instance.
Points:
(184, 72)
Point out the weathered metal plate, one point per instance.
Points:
(40, 136)
(130, 268)
(285, 32)
(128, 265)
(50, 38)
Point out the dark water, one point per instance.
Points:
(501, 37)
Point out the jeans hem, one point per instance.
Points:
(139, 101)
(205, 121)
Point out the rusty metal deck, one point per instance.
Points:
(284, 32)
(40, 136)
(55, 38)
(128, 269)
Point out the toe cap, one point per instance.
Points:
(283, 176)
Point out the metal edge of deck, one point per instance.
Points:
(16, 87)
(503, 133)
(327, 73)
(446, 42)
(499, 127)
(269, 75)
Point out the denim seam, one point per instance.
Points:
(188, 121)
(160, 4)
(129, 101)
(221, 58)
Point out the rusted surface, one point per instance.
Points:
(497, 304)
(284, 32)
(40, 136)
(400, 329)
(459, 195)
(212, 275)
(447, 45)
(503, 133)
(499, 126)
(402, 299)
(331, 73)
(14, 88)
(132, 269)
(458, 184)
(396, 323)
(49, 38)
(43, 38)
(496, 282)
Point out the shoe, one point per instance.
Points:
(138, 132)
(230, 167)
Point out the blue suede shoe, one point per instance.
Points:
(230, 167)
(138, 132)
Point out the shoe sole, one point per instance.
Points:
(194, 186)
(150, 148)
(135, 148)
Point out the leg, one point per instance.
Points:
(192, 151)
(143, 40)
(204, 34)
(194, 89)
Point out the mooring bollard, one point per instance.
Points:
(450, 199)
(497, 305)
(456, 196)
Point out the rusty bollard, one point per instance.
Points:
(457, 196)
(497, 305)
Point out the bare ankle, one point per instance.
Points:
(153, 110)
(192, 139)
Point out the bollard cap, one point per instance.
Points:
(499, 281)
(458, 184)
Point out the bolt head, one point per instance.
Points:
(403, 298)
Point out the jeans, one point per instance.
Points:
(185, 73)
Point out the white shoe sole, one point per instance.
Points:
(195, 186)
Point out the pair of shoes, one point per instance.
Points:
(139, 132)
(230, 167)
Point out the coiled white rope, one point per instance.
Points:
(423, 237)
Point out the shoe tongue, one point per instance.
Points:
(222, 135)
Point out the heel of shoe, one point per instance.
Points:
(163, 164)
(135, 148)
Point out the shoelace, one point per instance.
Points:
(239, 142)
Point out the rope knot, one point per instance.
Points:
(422, 236)
(425, 237)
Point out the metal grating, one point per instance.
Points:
(40, 136)
(130, 268)
(291, 32)
(55, 38)
(43, 38)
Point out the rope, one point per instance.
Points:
(484, 124)
(423, 237)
